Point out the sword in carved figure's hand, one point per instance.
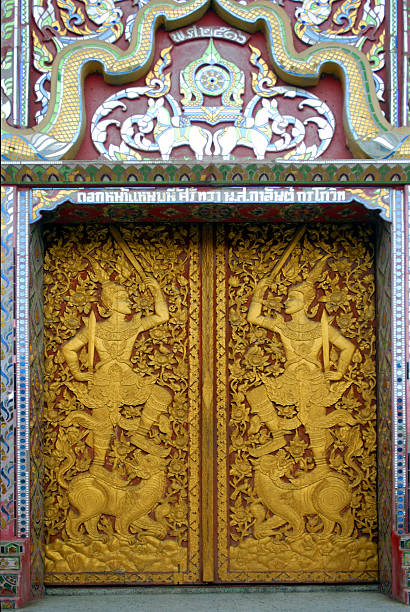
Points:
(264, 282)
(287, 252)
(325, 341)
(91, 341)
(127, 251)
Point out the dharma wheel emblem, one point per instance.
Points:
(212, 75)
(212, 80)
(212, 89)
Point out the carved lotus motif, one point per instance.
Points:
(255, 357)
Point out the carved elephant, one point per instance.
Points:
(320, 492)
(99, 492)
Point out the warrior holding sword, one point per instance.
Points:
(112, 380)
(307, 383)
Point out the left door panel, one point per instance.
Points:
(122, 497)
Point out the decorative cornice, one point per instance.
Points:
(331, 172)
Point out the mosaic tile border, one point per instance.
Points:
(22, 369)
(7, 363)
(405, 563)
(18, 53)
(399, 363)
(406, 67)
(394, 63)
(10, 556)
(349, 172)
(407, 331)
(399, 16)
(23, 87)
(14, 565)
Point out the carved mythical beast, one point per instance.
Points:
(320, 492)
(95, 493)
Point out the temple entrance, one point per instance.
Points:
(210, 404)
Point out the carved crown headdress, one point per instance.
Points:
(307, 287)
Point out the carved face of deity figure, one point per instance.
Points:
(116, 298)
(295, 302)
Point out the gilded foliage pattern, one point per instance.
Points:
(78, 263)
(256, 540)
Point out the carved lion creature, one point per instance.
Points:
(100, 492)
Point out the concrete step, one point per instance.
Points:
(218, 599)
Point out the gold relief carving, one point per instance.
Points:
(293, 357)
(297, 500)
(122, 422)
(207, 417)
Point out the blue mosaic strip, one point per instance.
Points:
(7, 358)
(16, 89)
(399, 362)
(407, 335)
(21, 62)
(406, 67)
(394, 62)
(25, 61)
(22, 368)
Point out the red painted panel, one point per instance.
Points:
(328, 90)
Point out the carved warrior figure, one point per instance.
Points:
(311, 387)
(113, 382)
(110, 383)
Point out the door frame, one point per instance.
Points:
(24, 207)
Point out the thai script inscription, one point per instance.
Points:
(193, 195)
(209, 32)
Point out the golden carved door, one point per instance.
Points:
(122, 316)
(210, 410)
(295, 404)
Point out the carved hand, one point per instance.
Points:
(261, 288)
(83, 376)
(334, 375)
(153, 285)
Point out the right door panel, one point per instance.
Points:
(296, 414)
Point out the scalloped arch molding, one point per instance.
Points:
(60, 133)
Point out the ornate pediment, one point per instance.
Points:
(252, 109)
(254, 115)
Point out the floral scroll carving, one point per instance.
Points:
(119, 402)
(301, 423)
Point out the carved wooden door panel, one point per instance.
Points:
(210, 409)
(122, 405)
(295, 404)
